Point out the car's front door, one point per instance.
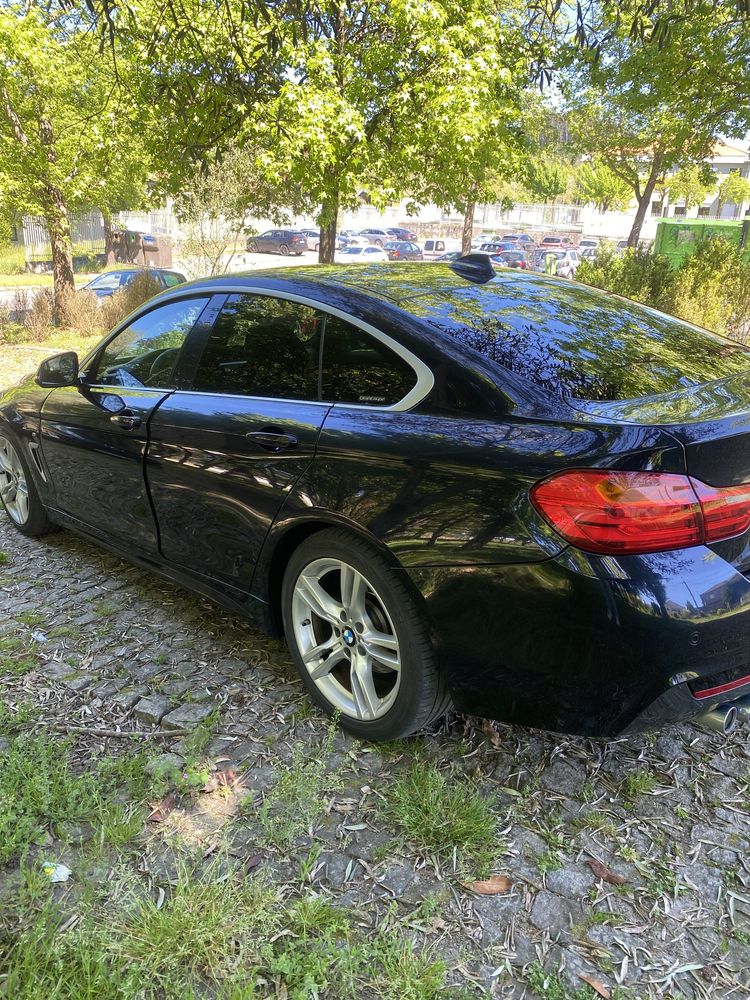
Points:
(93, 435)
(226, 449)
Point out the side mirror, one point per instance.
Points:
(59, 370)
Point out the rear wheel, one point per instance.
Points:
(252, 246)
(379, 243)
(283, 249)
(358, 638)
(18, 493)
(316, 248)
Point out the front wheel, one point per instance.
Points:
(283, 249)
(18, 493)
(252, 247)
(358, 638)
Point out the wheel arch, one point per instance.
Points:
(283, 540)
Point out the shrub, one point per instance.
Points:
(37, 318)
(711, 288)
(122, 303)
(83, 313)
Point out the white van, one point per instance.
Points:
(434, 248)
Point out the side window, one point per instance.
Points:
(357, 368)
(261, 346)
(171, 279)
(144, 353)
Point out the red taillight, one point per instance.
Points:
(613, 512)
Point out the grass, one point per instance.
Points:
(636, 784)
(444, 816)
(214, 933)
(14, 657)
(297, 798)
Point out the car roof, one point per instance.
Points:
(372, 281)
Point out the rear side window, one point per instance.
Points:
(357, 368)
(577, 341)
(261, 346)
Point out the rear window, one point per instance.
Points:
(577, 341)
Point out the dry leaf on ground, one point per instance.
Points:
(600, 988)
(605, 874)
(492, 886)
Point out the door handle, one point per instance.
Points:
(127, 420)
(272, 439)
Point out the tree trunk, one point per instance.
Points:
(468, 229)
(329, 224)
(109, 242)
(58, 225)
(644, 202)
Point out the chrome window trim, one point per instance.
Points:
(425, 380)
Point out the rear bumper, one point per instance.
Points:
(590, 645)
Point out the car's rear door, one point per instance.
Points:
(229, 445)
(93, 435)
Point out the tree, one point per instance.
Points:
(597, 184)
(692, 184)
(60, 135)
(644, 109)
(216, 206)
(548, 178)
(734, 188)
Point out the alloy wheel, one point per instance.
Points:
(346, 639)
(14, 489)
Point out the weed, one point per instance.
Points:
(550, 986)
(444, 816)
(636, 784)
(297, 798)
(13, 722)
(550, 861)
(196, 742)
(30, 618)
(38, 791)
(4, 558)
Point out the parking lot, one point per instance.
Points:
(626, 861)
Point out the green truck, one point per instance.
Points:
(679, 238)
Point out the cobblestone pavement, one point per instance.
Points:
(117, 648)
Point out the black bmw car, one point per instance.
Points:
(439, 483)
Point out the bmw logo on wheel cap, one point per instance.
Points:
(348, 636)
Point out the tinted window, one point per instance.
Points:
(144, 353)
(577, 341)
(357, 368)
(261, 346)
(171, 279)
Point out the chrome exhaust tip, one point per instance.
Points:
(743, 708)
(722, 719)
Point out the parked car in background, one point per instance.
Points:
(523, 495)
(554, 241)
(622, 246)
(357, 241)
(361, 255)
(376, 236)
(313, 240)
(435, 247)
(497, 246)
(405, 250)
(403, 234)
(523, 238)
(283, 241)
(446, 258)
(588, 243)
(109, 282)
(566, 261)
(512, 258)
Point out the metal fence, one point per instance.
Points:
(86, 234)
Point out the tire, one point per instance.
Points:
(283, 250)
(18, 493)
(316, 248)
(377, 702)
(252, 246)
(379, 243)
